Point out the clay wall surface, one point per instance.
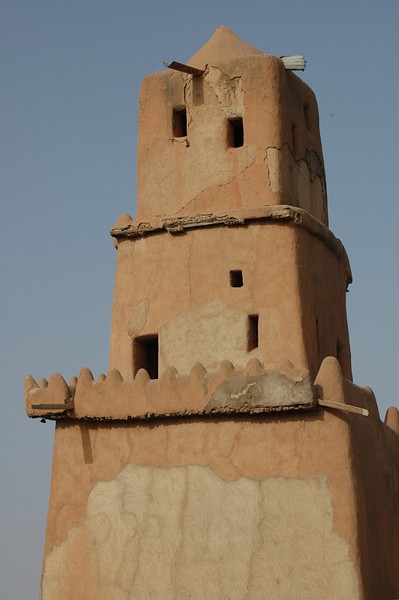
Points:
(323, 282)
(376, 460)
(185, 287)
(228, 507)
(222, 509)
(185, 296)
(374, 456)
(280, 161)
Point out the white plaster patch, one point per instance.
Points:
(183, 532)
(295, 180)
(209, 334)
(228, 91)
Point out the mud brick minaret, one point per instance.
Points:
(227, 454)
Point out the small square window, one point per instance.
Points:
(179, 122)
(235, 132)
(236, 279)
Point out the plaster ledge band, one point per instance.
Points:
(126, 228)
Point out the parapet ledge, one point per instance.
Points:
(251, 390)
(127, 228)
(50, 399)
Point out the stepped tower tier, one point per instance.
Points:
(230, 256)
(266, 283)
(243, 133)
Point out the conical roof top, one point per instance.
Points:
(223, 45)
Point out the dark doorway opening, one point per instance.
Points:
(145, 355)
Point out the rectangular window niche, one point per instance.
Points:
(145, 355)
(235, 132)
(253, 332)
(236, 279)
(179, 122)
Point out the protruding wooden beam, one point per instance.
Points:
(177, 66)
(345, 407)
(66, 406)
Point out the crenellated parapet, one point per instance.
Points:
(251, 390)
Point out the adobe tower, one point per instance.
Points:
(227, 454)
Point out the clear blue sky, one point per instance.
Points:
(70, 74)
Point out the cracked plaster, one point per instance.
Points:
(199, 172)
(301, 181)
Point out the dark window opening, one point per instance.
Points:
(253, 336)
(145, 355)
(236, 279)
(235, 132)
(179, 122)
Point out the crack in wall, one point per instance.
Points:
(311, 159)
(227, 90)
(298, 182)
(209, 189)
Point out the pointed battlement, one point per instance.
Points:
(253, 390)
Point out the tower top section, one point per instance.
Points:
(237, 130)
(223, 45)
